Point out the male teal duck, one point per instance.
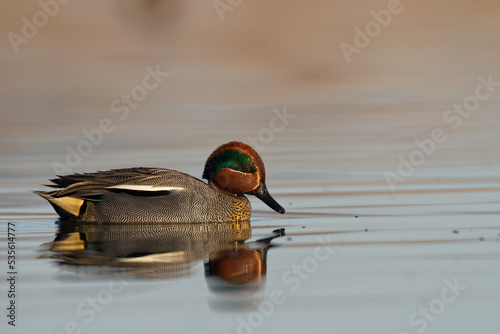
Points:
(164, 195)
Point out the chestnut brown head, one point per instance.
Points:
(236, 169)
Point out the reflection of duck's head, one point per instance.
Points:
(239, 271)
(240, 267)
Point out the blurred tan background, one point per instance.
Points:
(226, 76)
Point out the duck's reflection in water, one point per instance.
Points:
(233, 267)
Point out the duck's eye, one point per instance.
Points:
(246, 170)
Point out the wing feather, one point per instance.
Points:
(139, 180)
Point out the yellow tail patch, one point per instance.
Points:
(69, 204)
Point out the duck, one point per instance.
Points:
(158, 195)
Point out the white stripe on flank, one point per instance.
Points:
(143, 187)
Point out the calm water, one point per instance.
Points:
(392, 193)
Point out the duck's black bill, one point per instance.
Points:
(262, 193)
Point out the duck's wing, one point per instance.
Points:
(79, 192)
(139, 181)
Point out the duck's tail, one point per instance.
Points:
(65, 206)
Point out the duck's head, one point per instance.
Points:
(236, 169)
